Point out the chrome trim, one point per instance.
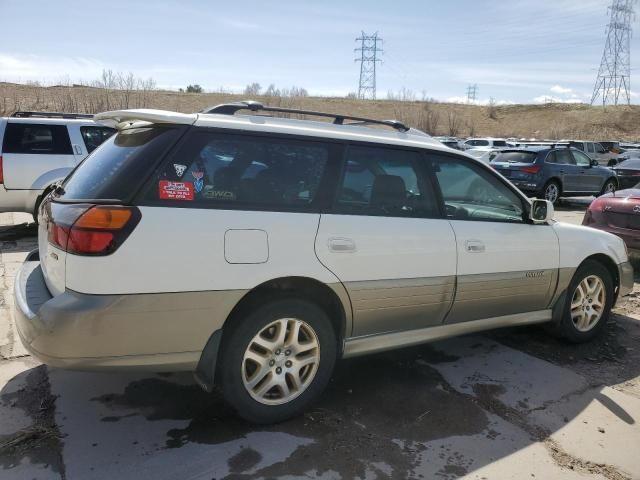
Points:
(389, 341)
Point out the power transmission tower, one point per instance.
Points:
(369, 50)
(614, 75)
(472, 93)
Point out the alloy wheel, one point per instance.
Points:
(588, 302)
(281, 361)
(551, 193)
(609, 187)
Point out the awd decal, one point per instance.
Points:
(175, 190)
(180, 169)
(209, 192)
(199, 181)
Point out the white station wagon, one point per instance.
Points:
(256, 251)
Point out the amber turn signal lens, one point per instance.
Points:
(104, 218)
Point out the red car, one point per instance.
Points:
(617, 213)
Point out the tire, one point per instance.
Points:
(264, 324)
(549, 188)
(570, 327)
(609, 186)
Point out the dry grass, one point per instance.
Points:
(540, 121)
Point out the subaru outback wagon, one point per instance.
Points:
(256, 251)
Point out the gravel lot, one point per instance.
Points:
(507, 404)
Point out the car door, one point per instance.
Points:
(506, 265)
(32, 150)
(386, 242)
(588, 178)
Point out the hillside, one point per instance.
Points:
(540, 121)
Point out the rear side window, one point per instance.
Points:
(499, 143)
(94, 136)
(34, 138)
(242, 171)
(384, 182)
(117, 168)
(516, 157)
(562, 157)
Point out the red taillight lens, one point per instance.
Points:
(532, 170)
(1, 171)
(90, 229)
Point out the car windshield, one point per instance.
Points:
(115, 168)
(516, 157)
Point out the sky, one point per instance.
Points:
(516, 51)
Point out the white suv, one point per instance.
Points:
(256, 251)
(38, 149)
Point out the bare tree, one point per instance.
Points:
(272, 91)
(453, 123)
(126, 85)
(253, 89)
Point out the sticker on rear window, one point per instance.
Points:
(199, 181)
(180, 169)
(175, 190)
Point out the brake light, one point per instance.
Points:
(532, 170)
(1, 172)
(90, 229)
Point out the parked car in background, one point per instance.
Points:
(596, 151)
(38, 149)
(618, 213)
(451, 142)
(260, 250)
(628, 172)
(487, 143)
(611, 146)
(551, 173)
(484, 155)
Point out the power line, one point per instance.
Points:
(472, 93)
(369, 50)
(614, 75)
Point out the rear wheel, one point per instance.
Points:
(609, 186)
(588, 303)
(277, 360)
(551, 191)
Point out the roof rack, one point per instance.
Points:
(232, 108)
(51, 115)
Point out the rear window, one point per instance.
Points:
(116, 169)
(31, 138)
(219, 170)
(516, 157)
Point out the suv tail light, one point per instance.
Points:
(84, 229)
(532, 170)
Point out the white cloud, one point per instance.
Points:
(560, 90)
(481, 102)
(20, 68)
(553, 99)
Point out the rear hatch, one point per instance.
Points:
(92, 212)
(516, 164)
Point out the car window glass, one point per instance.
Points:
(242, 171)
(515, 157)
(590, 147)
(386, 182)
(598, 148)
(562, 156)
(499, 143)
(477, 143)
(582, 160)
(94, 136)
(472, 193)
(30, 138)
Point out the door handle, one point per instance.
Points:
(474, 246)
(341, 245)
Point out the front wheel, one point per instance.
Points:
(277, 360)
(609, 186)
(588, 303)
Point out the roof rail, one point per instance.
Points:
(51, 115)
(338, 119)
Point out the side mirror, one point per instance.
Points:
(541, 211)
(594, 163)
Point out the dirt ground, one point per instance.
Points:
(508, 404)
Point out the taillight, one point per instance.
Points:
(532, 170)
(90, 229)
(1, 171)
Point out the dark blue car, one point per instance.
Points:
(551, 173)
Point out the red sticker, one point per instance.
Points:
(175, 190)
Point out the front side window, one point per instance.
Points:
(598, 148)
(472, 193)
(384, 182)
(582, 160)
(94, 136)
(30, 138)
(240, 171)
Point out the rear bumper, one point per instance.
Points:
(156, 332)
(18, 200)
